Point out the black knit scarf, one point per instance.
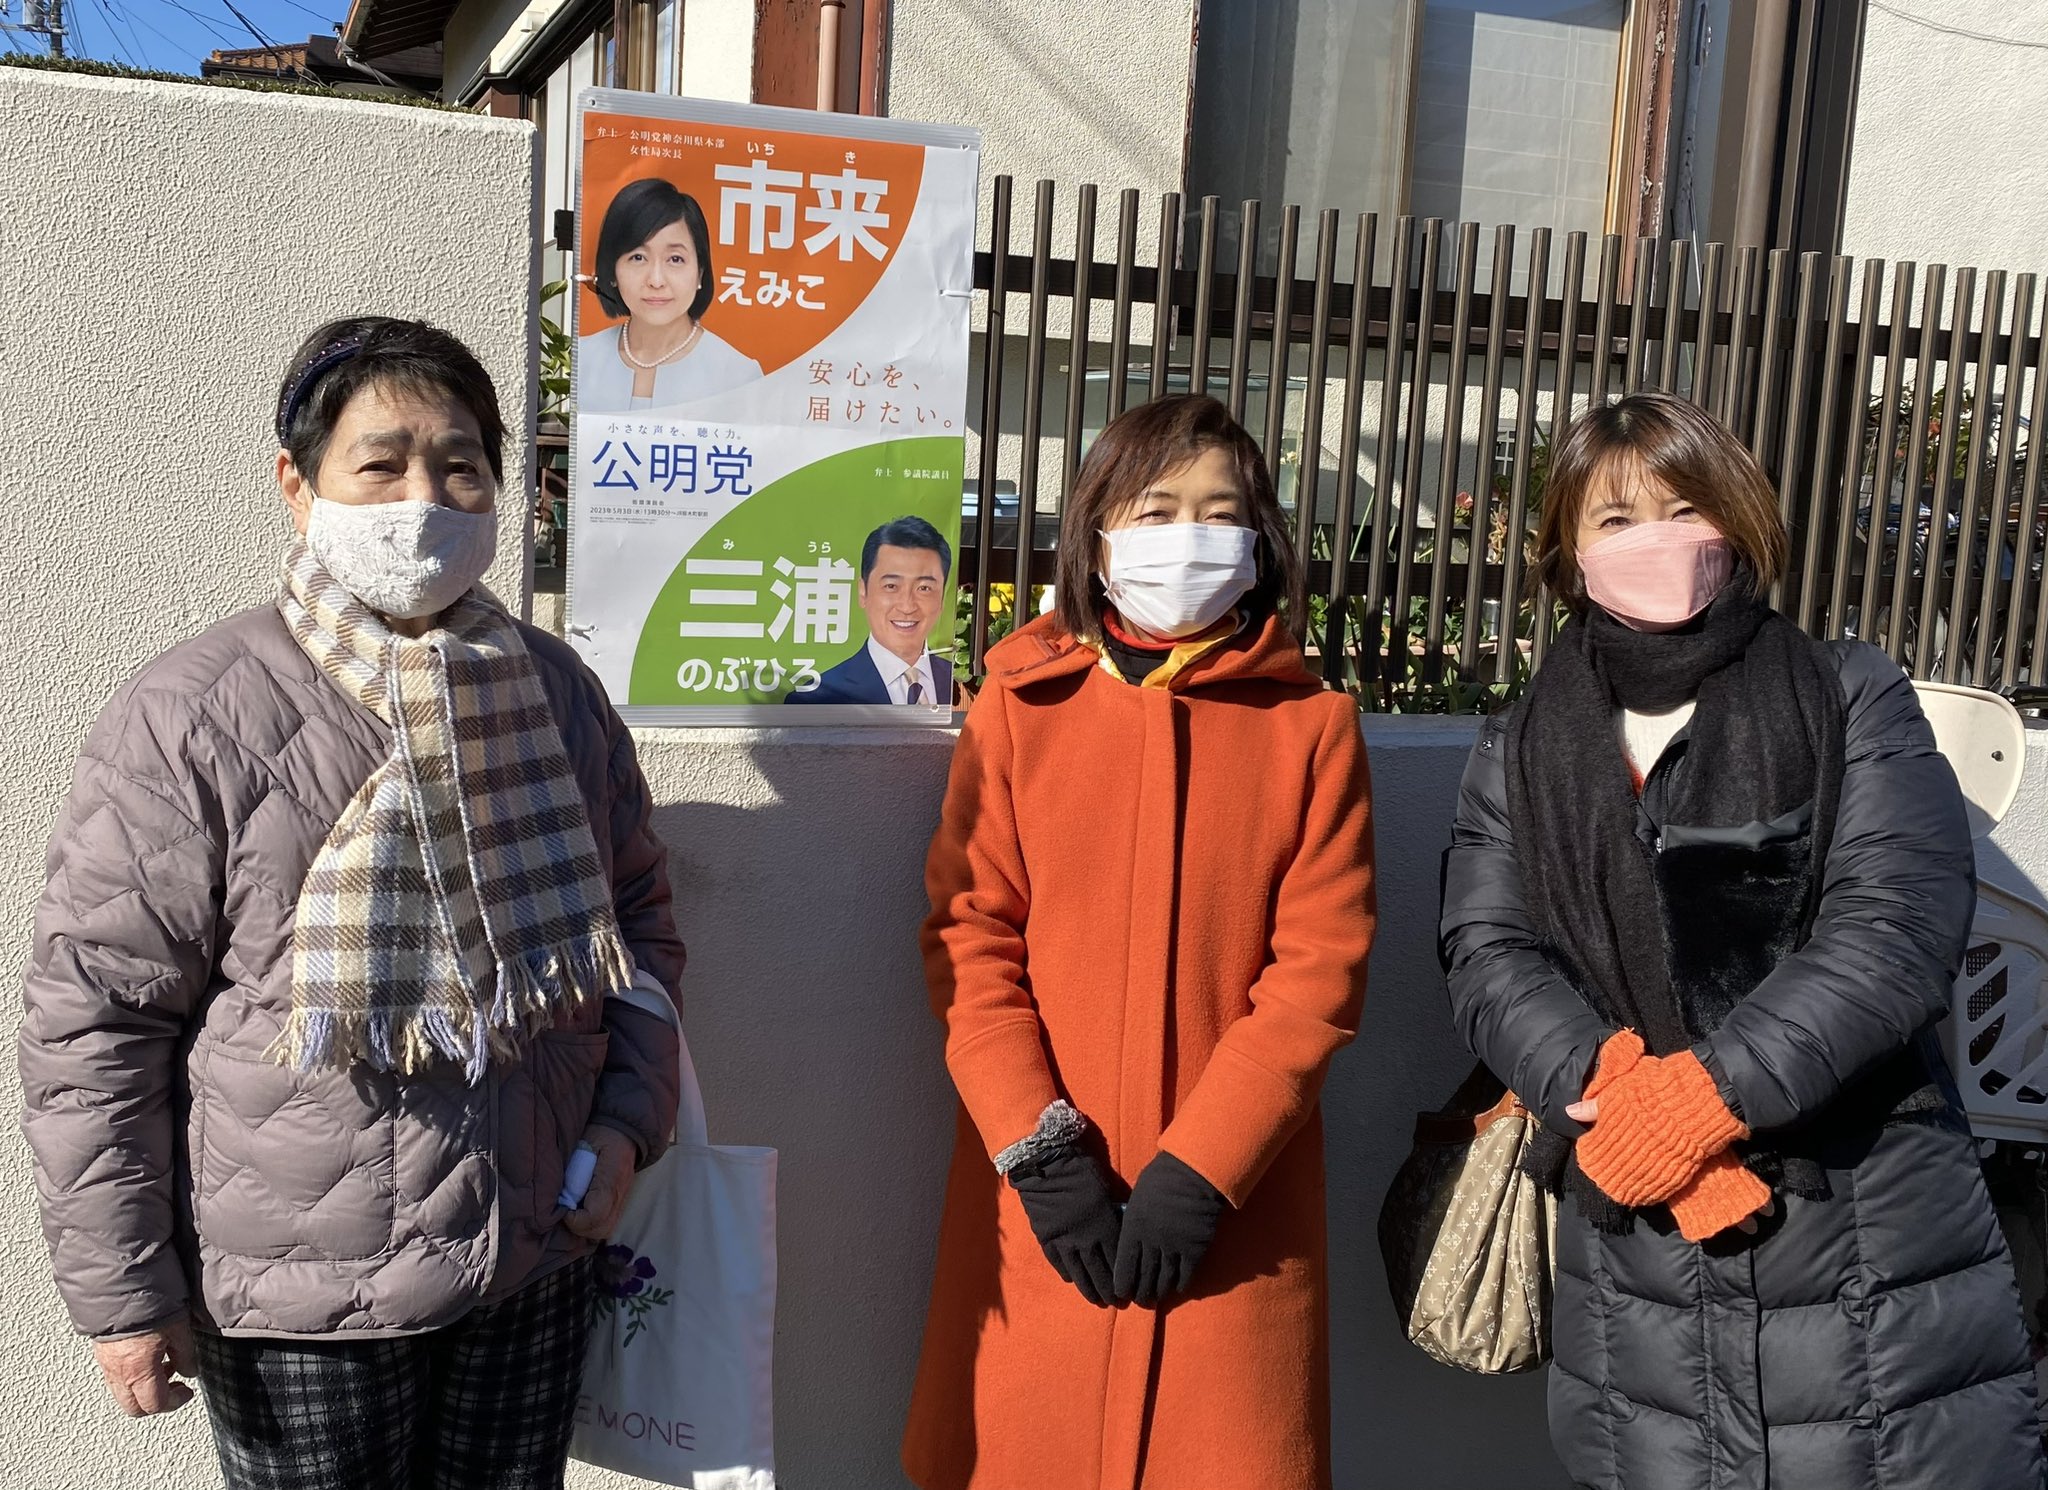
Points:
(1667, 937)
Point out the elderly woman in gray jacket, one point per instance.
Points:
(351, 1010)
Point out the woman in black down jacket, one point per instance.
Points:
(1708, 954)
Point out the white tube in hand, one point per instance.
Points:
(576, 1176)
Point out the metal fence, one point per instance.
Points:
(1410, 401)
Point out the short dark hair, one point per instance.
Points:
(342, 358)
(905, 532)
(636, 214)
(1139, 448)
(1679, 445)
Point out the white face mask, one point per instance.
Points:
(405, 559)
(1177, 579)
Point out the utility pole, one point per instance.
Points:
(44, 18)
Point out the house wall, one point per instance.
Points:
(1948, 165)
(1067, 89)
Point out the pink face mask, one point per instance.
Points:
(1657, 576)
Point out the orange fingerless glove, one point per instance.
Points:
(1723, 1193)
(1660, 1120)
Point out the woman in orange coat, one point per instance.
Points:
(1152, 899)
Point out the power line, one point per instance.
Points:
(248, 25)
(211, 23)
(325, 20)
(120, 47)
(106, 8)
(1963, 31)
(143, 21)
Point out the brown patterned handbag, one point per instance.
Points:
(1468, 1238)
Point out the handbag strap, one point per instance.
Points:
(691, 1129)
(1464, 1127)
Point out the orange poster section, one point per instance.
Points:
(801, 226)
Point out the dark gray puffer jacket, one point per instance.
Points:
(181, 1169)
(1871, 1341)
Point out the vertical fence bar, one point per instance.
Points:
(1886, 435)
(2023, 587)
(1514, 544)
(1734, 411)
(1571, 318)
(1603, 317)
(1990, 322)
(1034, 396)
(1642, 298)
(1162, 292)
(1840, 281)
(1449, 450)
(1797, 382)
(1570, 324)
(1383, 516)
(1311, 463)
(1479, 541)
(1416, 435)
(1930, 646)
(1205, 300)
(1280, 343)
(1078, 342)
(1677, 276)
(1120, 307)
(1241, 311)
(1707, 334)
(2031, 513)
(2002, 511)
(1853, 458)
(993, 343)
(1335, 614)
(1904, 628)
(1769, 347)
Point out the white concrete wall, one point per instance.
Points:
(166, 248)
(1068, 89)
(1950, 159)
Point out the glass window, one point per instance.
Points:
(1302, 101)
(665, 46)
(1514, 113)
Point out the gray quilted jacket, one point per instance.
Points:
(181, 1170)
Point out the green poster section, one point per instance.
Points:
(777, 577)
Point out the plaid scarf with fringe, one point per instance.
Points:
(459, 904)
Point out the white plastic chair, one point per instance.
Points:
(1997, 1030)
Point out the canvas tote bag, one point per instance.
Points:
(1468, 1239)
(678, 1381)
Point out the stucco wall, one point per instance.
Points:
(167, 246)
(1948, 164)
(1069, 89)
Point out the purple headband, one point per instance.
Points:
(301, 387)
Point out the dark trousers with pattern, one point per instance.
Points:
(485, 1404)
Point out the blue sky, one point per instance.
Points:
(176, 35)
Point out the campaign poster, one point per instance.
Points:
(770, 391)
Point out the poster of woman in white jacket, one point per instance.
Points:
(654, 269)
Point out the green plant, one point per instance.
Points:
(87, 67)
(1002, 620)
(555, 352)
(1928, 437)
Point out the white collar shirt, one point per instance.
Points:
(896, 673)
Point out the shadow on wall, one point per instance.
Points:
(798, 869)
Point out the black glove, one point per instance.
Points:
(1167, 1227)
(1075, 1217)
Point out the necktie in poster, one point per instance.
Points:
(770, 391)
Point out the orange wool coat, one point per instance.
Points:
(1157, 904)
